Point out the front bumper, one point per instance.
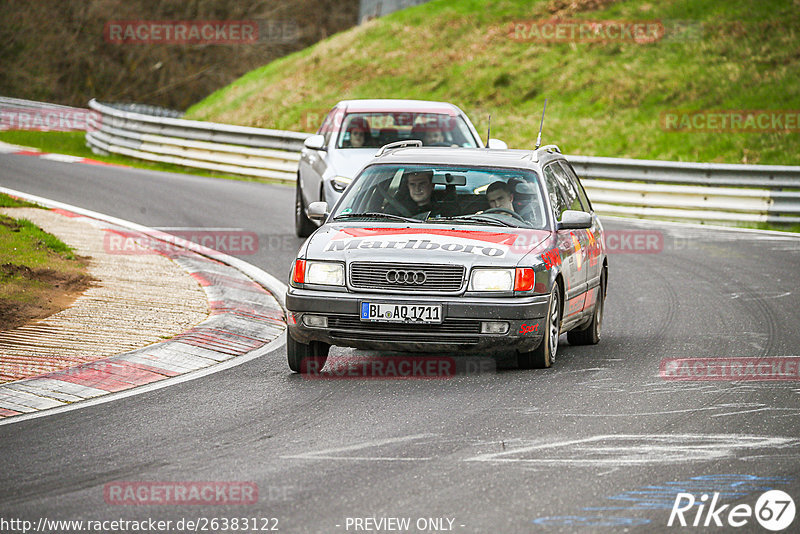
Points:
(460, 330)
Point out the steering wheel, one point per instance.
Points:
(438, 144)
(405, 212)
(506, 212)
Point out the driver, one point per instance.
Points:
(420, 195)
(420, 189)
(433, 136)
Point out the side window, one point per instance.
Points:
(558, 199)
(568, 187)
(328, 127)
(587, 206)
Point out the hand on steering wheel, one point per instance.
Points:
(506, 212)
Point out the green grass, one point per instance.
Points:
(37, 272)
(74, 144)
(24, 243)
(10, 202)
(605, 99)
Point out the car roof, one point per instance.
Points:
(483, 157)
(393, 105)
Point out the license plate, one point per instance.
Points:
(401, 313)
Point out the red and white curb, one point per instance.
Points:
(246, 321)
(7, 148)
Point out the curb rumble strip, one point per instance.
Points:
(245, 322)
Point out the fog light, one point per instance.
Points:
(316, 321)
(494, 327)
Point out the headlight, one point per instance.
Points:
(326, 273)
(492, 280)
(340, 183)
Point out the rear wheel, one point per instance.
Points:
(590, 334)
(303, 226)
(544, 355)
(306, 358)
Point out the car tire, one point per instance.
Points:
(303, 226)
(306, 358)
(590, 334)
(544, 355)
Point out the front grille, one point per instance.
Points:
(447, 327)
(403, 338)
(372, 275)
(449, 332)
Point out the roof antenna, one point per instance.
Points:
(541, 124)
(489, 131)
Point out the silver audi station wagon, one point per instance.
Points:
(451, 250)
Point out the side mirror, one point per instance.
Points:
(497, 144)
(315, 142)
(574, 220)
(317, 211)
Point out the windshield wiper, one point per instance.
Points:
(375, 215)
(488, 220)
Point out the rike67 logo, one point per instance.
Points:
(774, 510)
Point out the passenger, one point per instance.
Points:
(501, 195)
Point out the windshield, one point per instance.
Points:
(445, 194)
(373, 130)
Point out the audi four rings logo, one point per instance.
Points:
(396, 276)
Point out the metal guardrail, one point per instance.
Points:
(698, 192)
(205, 145)
(21, 114)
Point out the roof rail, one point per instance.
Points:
(551, 148)
(398, 144)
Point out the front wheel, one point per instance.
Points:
(306, 358)
(544, 355)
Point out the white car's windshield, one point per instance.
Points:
(451, 194)
(375, 129)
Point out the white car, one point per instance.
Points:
(352, 133)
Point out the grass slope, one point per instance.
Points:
(39, 274)
(605, 99)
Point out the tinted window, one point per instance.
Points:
(476, 195)
(587, 206)
(558, 198)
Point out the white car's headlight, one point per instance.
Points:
(492, 280)
(340, 183)
(326, 273)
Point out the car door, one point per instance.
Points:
(313, 163)
(593, 249)
(569, 241)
